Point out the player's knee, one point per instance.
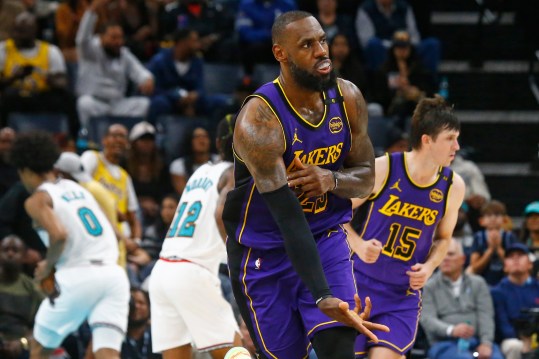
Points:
(335, 343)
(107, 337)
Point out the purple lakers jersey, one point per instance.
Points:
(325, 144)
(403, 216)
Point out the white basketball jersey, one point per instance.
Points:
(193, 234)
(90, 236)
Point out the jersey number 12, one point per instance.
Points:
(184, 224)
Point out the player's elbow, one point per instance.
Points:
(365, 188)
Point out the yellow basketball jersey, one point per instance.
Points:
(37, 80)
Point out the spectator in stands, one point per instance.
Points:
(378, 20)
(212, 20)
(138, 341)
(105, 68)
(530, 226)
(529, 234)
(19, 300)
(33, 75)
(402, 80)
(9, 10)
(253, 24)
(346, 64)
(147, 169)
(153, 236)
(105, 168)
(15, 220)
(67, 20)
(179, 79)
(397, 140)
(196, 153)
(9, 173)
(516, 292)
(242, 90)
(458, 305)
(477, 192)
(138, 19)
(463, 233)
(66, 24)
(335, 23)
(490, 243)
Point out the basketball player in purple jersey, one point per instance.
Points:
(288, 258)
(405, 227)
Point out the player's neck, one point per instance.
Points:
(298, 95)
(421, 168)
(39, 179)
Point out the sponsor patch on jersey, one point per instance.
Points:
(436, 195)
(335, 125)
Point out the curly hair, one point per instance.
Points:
(36, 151)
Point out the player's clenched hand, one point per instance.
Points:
(419, 273)
(340, 311)
(312, 180)
(368, 251)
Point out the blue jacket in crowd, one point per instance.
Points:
(509, 300)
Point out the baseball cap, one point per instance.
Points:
(401, 38)
(70, 163)
(142, 128)
(520, 247)
(532, 208)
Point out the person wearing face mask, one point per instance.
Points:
(105, 68)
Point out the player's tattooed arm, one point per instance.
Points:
(259, 141)
(356, 179)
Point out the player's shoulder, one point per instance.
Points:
(348, 88)
(458, 183)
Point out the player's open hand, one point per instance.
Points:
(311, 180)
(356, 318)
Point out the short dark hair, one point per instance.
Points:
(432, 116)
(225, 132)
(493, 207)
(283, 20)
(36, 151)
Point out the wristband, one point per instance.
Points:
(323, 297)
(335, 179)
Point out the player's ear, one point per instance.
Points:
(426, 139)
(279, 53)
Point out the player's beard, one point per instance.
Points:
(312, 82)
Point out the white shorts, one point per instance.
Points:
(97, 293)
(188, 307)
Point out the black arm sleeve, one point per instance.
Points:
(298, 240)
